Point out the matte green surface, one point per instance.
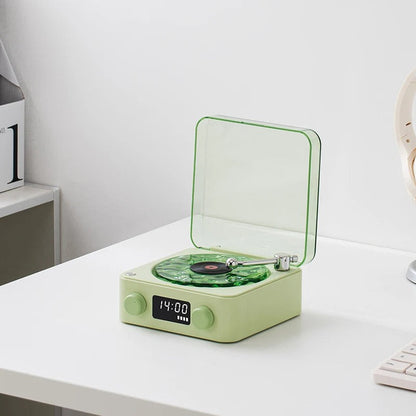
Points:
(202, 317)
(135, 304)
(238, 312)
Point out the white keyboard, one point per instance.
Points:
(399, 370)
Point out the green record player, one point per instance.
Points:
(253, 224)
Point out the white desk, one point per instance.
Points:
(357, 309)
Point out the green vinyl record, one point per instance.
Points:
(178, 270)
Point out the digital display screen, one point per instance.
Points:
(173, 310)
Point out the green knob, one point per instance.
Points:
(202, 317)
(135, 304)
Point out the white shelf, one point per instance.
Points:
(25, 197)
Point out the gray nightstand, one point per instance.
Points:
(29, 230)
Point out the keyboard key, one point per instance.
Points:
(406, 358)
(410, 349)
(411, 371)
(396, 366)
(400, 370)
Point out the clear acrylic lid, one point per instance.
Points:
(255, 188)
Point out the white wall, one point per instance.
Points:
(114, 88)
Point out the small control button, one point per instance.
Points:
(135, 304)
(202, 317)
